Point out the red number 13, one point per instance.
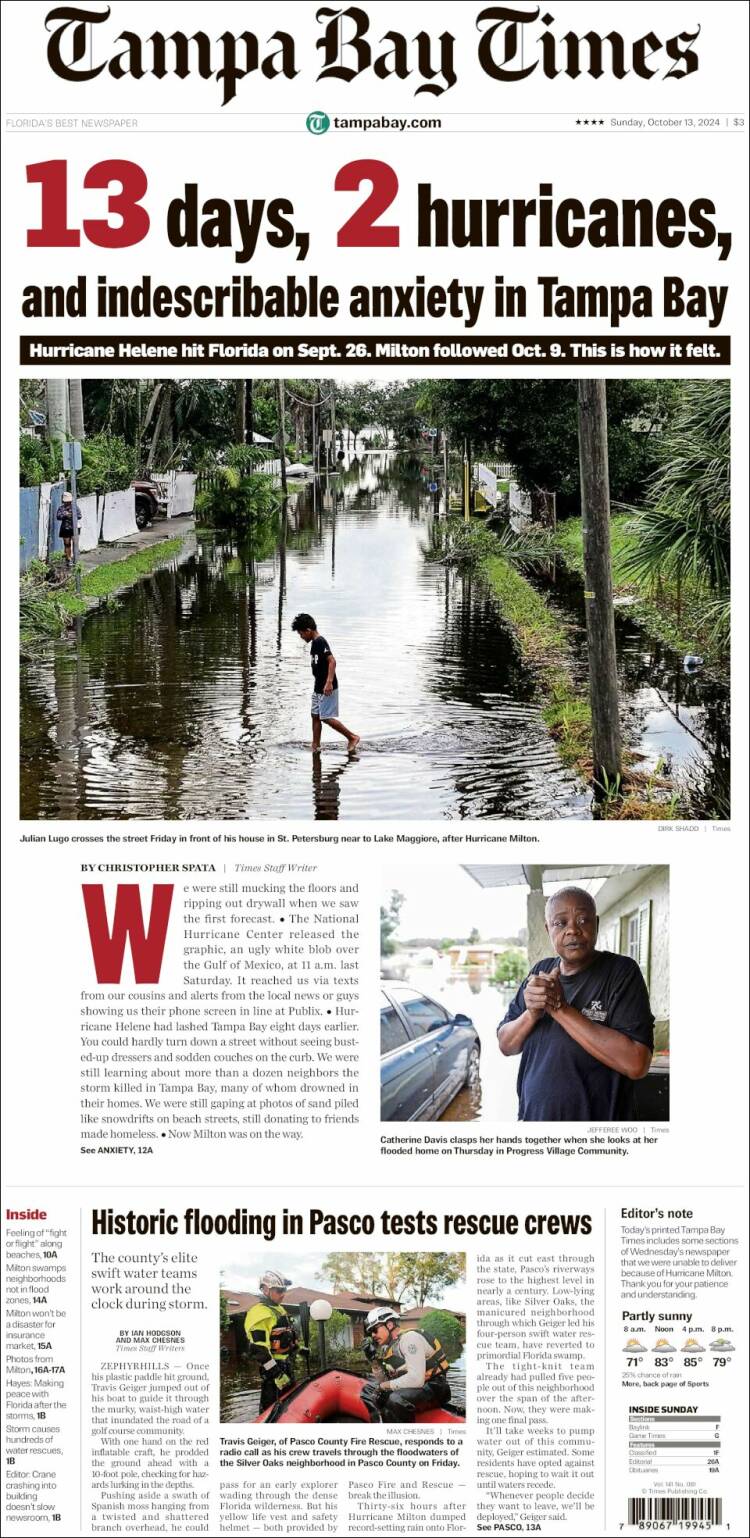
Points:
(125, 205)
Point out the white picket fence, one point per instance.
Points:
(177, 491)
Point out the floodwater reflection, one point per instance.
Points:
(190, 699)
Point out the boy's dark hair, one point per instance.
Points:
(303, 622)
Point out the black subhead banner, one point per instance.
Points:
(134, 351)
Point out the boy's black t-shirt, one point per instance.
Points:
(320, 651)
(558, 1080)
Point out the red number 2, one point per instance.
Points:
(125, 205)
(361, 229)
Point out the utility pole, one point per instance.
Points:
(72, 461)
(282, 432)
(597, 563)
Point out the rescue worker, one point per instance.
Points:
(272, 1338)
(413, 1365)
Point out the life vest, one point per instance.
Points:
(268, 1324)
(436, 1365)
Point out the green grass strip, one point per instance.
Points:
(544, 643)
(107, 579)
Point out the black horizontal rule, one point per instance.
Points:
(143, 350)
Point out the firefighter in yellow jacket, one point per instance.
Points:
(272, 1337)
(413, 1365)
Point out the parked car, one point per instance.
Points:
(426, 1055)
(150, 502)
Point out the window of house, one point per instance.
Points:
(635, 937)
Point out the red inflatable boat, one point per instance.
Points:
(334, 1395)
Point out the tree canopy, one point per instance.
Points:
(532, 424)
(389, 921)
(403, 1276)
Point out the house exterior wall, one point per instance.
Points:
(653, 888)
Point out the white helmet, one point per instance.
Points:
(274, 1279)
(378, 1316)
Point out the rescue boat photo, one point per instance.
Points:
(351, 1336)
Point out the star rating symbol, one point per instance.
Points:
(590, 122)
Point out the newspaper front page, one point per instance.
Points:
(375, 793)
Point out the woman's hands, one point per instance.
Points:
(543, 993)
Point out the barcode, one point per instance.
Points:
(674, 1508)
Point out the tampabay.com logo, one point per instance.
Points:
(510, 49)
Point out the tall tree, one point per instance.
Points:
(389, 921)
(400, 1275)
(57, 409)
(358, 1271)
(597, 560)
(161, 442)
(75, 395)
(239, 411)
(533, 424)
(427, 1273)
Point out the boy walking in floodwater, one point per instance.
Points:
(325, 699)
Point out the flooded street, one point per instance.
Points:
(191, 697)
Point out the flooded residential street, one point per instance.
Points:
(190, 697)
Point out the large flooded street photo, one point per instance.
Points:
(191, 697)
(163, 676)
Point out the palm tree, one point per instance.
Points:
(684, 528)
(75, 395)
(57, 409)
(239, 411)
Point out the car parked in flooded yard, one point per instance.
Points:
(427, 1055)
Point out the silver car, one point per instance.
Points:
(427, 1055)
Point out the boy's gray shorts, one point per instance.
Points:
(325, 705)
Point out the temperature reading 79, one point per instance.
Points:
(360, 229)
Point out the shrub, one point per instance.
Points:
(437, 1321)
(237, 501)
(109, 464)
